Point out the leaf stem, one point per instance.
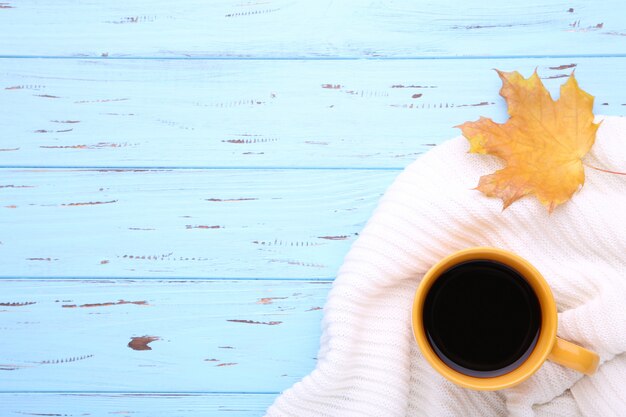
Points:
(603, 170)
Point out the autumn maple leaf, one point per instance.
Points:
(542, 143)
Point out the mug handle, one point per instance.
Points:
(573, 356)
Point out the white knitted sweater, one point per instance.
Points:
(369, 363)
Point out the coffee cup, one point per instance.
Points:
(486, 319)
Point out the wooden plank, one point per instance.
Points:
(158, 336)
(135, 404)
(279, 28)
(149, 113)
(182, 223)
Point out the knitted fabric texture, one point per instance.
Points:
(369, 363)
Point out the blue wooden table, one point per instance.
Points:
(180, 180)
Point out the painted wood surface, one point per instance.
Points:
(296, 28)
(147, 113)
(158, 336)
(180, 184)
(182, 223)
(134, 404)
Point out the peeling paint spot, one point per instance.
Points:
(229, 200)
(141, 342)
(175, 124)
(201, 226)
(60, 146)
(551, 77)
(432, 105)
(164, 257)
(242, 141)
(225, 347)
(576, 27)
(267, 323)
(250, 13)
(269, 300)
(104, 262)
(106, 100)
(46, 96)
(66, 360)
(562, 67)
(98, 145)
(211, 360)
(25, 87)
(508, 25)
(120, 302)
(89, 203)
(482, 103)
(416, 95)
(227, 364)
(9, 367)
(64, 130)
(42, 131)
(131, 19)
(19, 304)
(413, 86)
(342, 237)
(363, 93)
(481, 26)
(399, 156)
(277, 242)
(570, 10)
(235, 103)
(298, 263)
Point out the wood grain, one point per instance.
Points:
(135, 404)
(304, 28)
(155, 113)
(182, 223)
(169, 264)
(208, 336)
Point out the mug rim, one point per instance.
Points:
(548, 326)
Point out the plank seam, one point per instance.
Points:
(190, 168)
(317, 58)
(164, 279)
(140, 392)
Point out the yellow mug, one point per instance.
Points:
(486, 319)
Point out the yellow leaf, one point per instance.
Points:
(542, 142)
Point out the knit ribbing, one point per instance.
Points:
(369, 364)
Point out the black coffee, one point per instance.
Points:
(482, 318)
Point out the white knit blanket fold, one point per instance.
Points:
(369, 363)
